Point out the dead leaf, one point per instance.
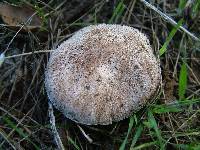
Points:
(169, 87)
(16, 16)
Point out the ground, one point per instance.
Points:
(170, 122)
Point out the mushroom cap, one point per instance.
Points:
(103, 73)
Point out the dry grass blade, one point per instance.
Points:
(4, 136)
(85, 135)
(2, 58)
(171, 122)
(169, 19)
(26, 54)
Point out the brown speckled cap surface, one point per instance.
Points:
(103, 73)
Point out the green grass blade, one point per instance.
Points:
(154, 125)
(196, 8)
(196, 147)
(135, 119)
(119, 13)
(187, 146)
(137, 135)
(144, 145)
(130, 126)
(178, 103)
(116, 12)
(19, 131)
(175, 107)
(161, 109)
(73, 143)
(169, 38)
(188, 102)
(182, 86)
(181, 5)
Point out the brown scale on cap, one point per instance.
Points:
(103, 73)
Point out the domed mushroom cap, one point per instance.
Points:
(103, 73)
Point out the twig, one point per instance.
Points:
(30, 53)
(85, 135)
(29, 19)
(53, 128)
(169, 19)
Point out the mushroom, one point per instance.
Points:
(102, 74)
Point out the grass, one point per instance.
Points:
(73, 143)
(122, 147)
(137, 134)
(169, 38)
(172, 121)
(20, 131)
(117, 13)
(153, 124)
(182, 81)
